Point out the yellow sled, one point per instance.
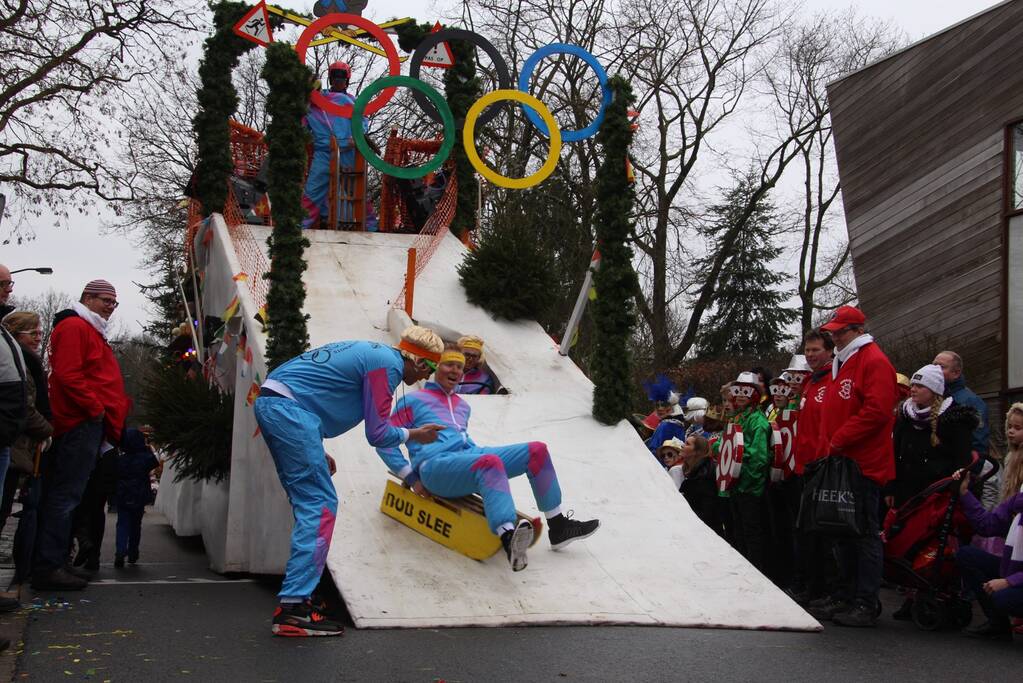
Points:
(456, 523)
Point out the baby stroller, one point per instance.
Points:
(921, 538)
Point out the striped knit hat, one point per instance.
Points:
(97, 287)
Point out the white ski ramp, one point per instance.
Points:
(652, 562)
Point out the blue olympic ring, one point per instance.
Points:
(576, 51)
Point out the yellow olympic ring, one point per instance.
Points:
(469, 139)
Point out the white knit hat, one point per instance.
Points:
(930, 376)
(696, 407)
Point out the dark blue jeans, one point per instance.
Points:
(72, 459)
(861, 560)
(979, 567)
(129, 530)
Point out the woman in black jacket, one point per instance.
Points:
(699, 485)
(932, 436)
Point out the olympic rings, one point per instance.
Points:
(417, 86)
(469, 139)
(576, 51)
(393, 63)
(433, 39)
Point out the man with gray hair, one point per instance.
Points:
(955, 386)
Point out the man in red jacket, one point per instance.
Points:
(89, 408)
(857, 421)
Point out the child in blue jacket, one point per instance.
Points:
(134, 493)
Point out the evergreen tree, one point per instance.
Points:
(749, 317)
(613, 310)
(290, 83)
(218, 101)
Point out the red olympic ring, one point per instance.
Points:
(393, 63)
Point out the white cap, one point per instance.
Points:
(750, 378)
(798, 364)
(930, 376)
(696, 407)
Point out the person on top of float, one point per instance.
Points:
(323, 127)
(475, 380)
(454, 466)
(321, 394)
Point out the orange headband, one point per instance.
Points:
(417, 350)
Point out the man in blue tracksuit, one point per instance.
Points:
(323, 127)
(455, 466)
(321, 394)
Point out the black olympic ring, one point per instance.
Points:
(501, 66)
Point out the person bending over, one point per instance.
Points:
(455, 466)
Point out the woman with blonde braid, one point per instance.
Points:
(932, 440)
(932, 436)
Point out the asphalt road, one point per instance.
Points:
(170, 618)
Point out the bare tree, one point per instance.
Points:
(65, 65)
(47, 306)
(812, 54)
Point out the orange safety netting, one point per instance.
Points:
(248, 149)
(394, 214)
(250, 253)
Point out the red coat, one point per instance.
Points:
(859, 413)
(85, 379)
(808, 445)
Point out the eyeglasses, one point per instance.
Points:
(741, 390)
(38, 334)
(107, 301)
(6, 284)
(430, 364)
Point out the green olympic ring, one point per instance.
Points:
(405, 172)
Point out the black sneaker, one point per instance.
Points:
(826, 608)
(58, 580)
(301, 619)
(562, 530)
(857, 616)
(904, 613)
(516, 541)
(81, 572)
(989, 631)
(133, 558)
(119, 561)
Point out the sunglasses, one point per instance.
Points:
(430, 364)
(780, 390)
(742, 390)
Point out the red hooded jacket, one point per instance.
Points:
(859, 413)
(85, 379)
(808, 445)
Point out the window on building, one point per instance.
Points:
(1016, 161)
(1014, 302)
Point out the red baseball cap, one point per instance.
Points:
(843, 317)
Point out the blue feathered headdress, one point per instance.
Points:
(659, 389)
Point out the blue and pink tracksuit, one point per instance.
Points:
(321, 394)
(455, 466)
(324, 126)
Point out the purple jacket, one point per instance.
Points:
(1004, 520)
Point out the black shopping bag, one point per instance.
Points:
(832, 501)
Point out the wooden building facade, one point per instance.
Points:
(929, 143)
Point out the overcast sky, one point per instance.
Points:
(81, 253)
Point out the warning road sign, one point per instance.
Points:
(439, 55)
(255, 26)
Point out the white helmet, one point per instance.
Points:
(798, 364)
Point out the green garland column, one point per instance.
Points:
(615, 281)
(218, 101)
(462, 88)
(290, 83)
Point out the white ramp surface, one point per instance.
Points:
(652, 561)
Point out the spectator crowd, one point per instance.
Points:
(760, 468)
(65, 450)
